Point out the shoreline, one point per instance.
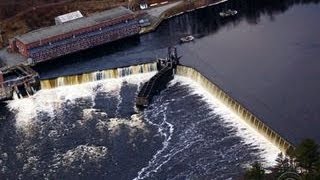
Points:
(180, 8)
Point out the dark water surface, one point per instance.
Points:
(267, 57)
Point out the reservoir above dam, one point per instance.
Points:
(266, 57)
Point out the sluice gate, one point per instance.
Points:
(166, 70)
(19, 81)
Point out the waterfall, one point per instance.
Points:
(236, 107)
(15, 95)
(98, 75)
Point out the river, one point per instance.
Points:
(267, 57)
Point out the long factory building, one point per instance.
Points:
(79, 34)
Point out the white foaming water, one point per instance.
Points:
(268, 151)
(118, 104)
(49, 101)
(134, 123)
(81, 153)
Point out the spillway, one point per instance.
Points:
(96, 125)
(248, 117)
(97, 75)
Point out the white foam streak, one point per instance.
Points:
(268, 151)
(154, 164)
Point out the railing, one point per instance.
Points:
(23, 74)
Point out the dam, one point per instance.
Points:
(273, 88)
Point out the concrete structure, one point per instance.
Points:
(20, 80)
(68, 17)
(2, 88)
(238, 108)
(54, 41)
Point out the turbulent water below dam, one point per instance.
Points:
(93, 130)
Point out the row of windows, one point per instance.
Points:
(80, 44)
(85, 30)
(78, 39)
(86, 35)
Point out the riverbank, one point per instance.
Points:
(159, 14)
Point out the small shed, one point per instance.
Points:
(68, 17)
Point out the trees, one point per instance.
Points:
(303, 161)
(256, 172)
(307, 155)
(283, 164)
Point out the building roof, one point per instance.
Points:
(94, 19)
(68, 17)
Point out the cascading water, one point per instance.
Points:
(236, 108)
(94, 130)
(97, 76)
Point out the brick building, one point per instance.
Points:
(55, 41)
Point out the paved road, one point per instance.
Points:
(10, 59)
(157, 11)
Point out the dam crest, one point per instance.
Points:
(97, 76)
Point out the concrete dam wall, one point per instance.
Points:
(98, 75)
(249, 118)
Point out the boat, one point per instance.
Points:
(228, 13)
(187, 39)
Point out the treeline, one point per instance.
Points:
(301, 163)
(12, 7)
